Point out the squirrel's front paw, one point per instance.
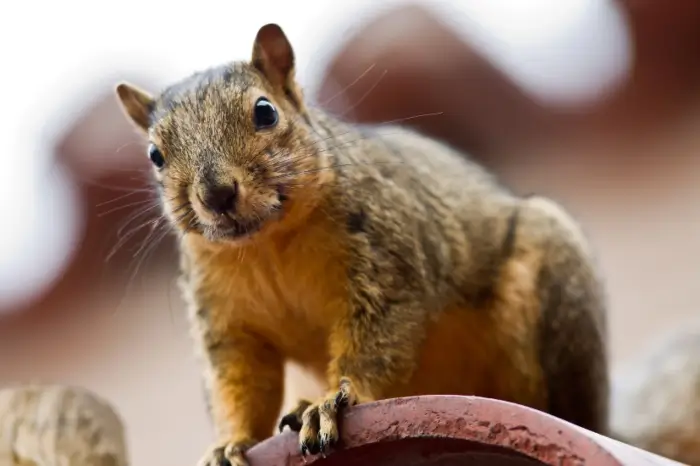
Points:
(319, 421)
(229, 454)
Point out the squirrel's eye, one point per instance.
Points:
(265, 114)
(155, 156)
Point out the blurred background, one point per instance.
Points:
(593, 102)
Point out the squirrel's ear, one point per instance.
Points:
(273, 55)
(136, 103)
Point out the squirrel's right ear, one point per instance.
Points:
(136, 103)
(273, 55)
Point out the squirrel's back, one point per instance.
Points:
(407, 160)
(404, 189)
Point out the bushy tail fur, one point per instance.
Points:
(656, 401)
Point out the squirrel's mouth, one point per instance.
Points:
(231, 230)
(236, 226)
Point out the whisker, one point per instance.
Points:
(123, 196)
(155, 228)
(124, 146)
(126, 206)
(182, 217)
(285, 162)
(97, 184)
(346, 88)
(331, 167)
(150, 247)
(184, 205)
(141, 171)
(191, 225)
(123, 239)
(401, 120)
(135, 216)
(364, 96)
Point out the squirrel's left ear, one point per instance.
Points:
(274, 58)
(136, 103)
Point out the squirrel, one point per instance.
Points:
(52, 425)
(384, 261)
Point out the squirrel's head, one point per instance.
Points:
(231, 147)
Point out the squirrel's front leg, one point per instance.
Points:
(373, 348)
(245, 384)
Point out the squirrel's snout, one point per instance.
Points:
(220, 199)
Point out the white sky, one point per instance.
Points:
(54, 52)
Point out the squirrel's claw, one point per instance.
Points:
(231, 454)
(319, 421)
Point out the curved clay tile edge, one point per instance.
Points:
(482, 420)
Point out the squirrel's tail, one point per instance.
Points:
(656, 403)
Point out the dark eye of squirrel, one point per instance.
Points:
(265, 114)
(155, 156)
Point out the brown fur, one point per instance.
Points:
(392, 265)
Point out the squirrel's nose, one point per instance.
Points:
(221, 199)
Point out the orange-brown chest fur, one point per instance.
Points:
(288, 288)
(291, 289)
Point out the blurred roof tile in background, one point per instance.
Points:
(484, 77)
(98, 161)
